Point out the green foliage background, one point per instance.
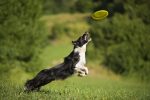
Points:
(21, 33)
(120, 42)
(123, 39)
(37, 34)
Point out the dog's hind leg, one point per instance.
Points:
(42, 78)
(30, 85)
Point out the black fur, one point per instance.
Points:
(85, 38)
(46, 76)
(64, 70)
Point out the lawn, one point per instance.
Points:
(77, 88)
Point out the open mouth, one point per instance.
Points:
(87, 37)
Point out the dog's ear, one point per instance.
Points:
(74, 42)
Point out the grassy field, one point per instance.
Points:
(100, 84)
(76, 88)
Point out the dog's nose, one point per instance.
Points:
(86, 33)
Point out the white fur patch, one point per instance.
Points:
(80, 66)
(82, 60)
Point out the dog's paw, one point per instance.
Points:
(82, 74)
(82, 71)
(86, 70)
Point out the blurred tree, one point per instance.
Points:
(58, 6)
(123, 39)
(21, 33)
(139, 9)
(84, 6)
(112, 6)
(61, 6)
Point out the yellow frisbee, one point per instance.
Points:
(99, 15)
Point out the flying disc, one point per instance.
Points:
(99, 15)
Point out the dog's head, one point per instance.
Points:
(84, 39)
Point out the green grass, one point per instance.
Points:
(71, 25)
(54, 53)
(76, 88)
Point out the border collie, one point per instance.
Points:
(73, 63)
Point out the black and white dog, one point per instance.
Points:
(73, 63)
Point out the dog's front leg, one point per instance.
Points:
(83, 71)
(80, 72)
(86, 70)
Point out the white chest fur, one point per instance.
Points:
(82, 60)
